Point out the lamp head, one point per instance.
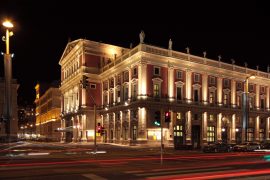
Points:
(252, 77)
(7, 24)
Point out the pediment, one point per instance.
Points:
(69, 48)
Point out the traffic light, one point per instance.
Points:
(167, 116)
(157, 118)
(99, 128)
(84, 82)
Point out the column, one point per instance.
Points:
(219, 91)
(129, 125)
(219, 121)
(267, 98)
(233, 93)
(188, 85)
(257, 101)
(129, 83)
(142, 136)
(63, 134)
(114, 127)
(267, 129)
(171, 83)
(114, 89)
(121, 126)
(75, 134)
(170, 138)
(188, 128)
(205, 88)
(142, 84)
(257, 129)
(204, 128)
(83, 126)
(83, 97)
(232, 139)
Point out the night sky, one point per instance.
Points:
(42, 29)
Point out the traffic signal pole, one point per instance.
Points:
(161, 140)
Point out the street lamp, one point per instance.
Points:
(245, 110)
(8, 77)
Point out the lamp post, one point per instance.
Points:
(8, 77)
(245, 110)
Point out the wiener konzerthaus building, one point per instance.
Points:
(129, 86)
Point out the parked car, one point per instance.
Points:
(248, 146)
(265, 146)
(217, 147)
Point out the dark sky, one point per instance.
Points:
(42, 29)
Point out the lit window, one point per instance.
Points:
(210, 134)
(211, 97)
(211, 117)
(179, 74)
(225, 99)
(156, 90)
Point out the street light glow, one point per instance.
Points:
(7, 24)
(252, 77)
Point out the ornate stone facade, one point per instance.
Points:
(204, 96)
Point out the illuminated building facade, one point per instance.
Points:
(129, 86)
(48, 109)
(26, 122)
(14, 107)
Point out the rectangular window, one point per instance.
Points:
(225, 101)
(118, 95)
(262, 103)
(211, 97)
(251, 102)
(111, 83)
(179, 74)
(210, 134)
(196, 95)
(134, 91)
(212, 80)
(238, 101)
(179, 93)
(125, 93)
(105, 99)
(135, 72)
(126, 78)
(156, 90)
(211, 117)
(226, 83)
(119, 79)
(92, 86)
(111, 98)
(157, 71)
(251, 87)
(196, 117)
(196, 77)
(239, 85)
(262, 89)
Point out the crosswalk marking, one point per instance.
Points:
(94, 177)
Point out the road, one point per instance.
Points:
(33, 160)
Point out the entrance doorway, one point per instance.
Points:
(178, 136)
(224, 134)
(196, 136)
